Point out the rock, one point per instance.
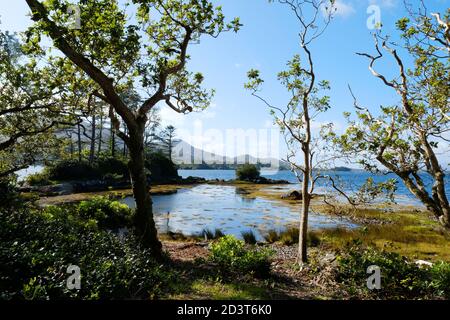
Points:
(193, 180)
(423, 263)
(293, 195)
(328, 259)
(54, 190)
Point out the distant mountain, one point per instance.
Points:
(187, 156)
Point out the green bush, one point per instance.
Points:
(111, 168)
(36, 247)
(248, 172)
(39, 179)
(103, 168)
(7, 191)
(400, 278)
(439, 281)
(231, 255)
(71, 170)
(107, 213)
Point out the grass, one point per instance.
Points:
(249, 237)
(209, 289)
(411, 234)
(272, 236)
(212, 234)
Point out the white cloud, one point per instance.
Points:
(169, 116)
(384, 3)
(339, 8)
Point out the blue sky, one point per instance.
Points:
(268, 39)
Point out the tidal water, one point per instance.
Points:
(349, 181)
(192, 210)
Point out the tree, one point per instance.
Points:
(405, 137)
(305, 104)
(167, 137)
(31, 108)
(119, 54)
(248, 172)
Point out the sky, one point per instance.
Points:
(267, 40)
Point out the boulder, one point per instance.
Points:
(293, 195)
(54, 190)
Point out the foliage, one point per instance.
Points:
(30, 110)
(36, 248)
(230, 254)
(400, 278)
(67, 170)
(7, 191)
(161, 168)
(108, 214)
(248, 172)
(39, 179)
(249, 237)
(405, 138)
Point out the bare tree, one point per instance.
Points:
(305, 104)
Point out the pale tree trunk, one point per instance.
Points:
(79, 142)
(100, 137)
(306, 196)
(92, 144)
(113, 142)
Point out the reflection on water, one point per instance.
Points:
(207, 206)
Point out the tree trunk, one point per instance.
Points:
(113, 142)
(303, 236)
(100, 136)
(72, 148)
(79, 142)
(92, 147)
(143, 218)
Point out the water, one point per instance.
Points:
(24, 173)
(227, 208)
(349, 181)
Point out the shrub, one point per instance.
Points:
(7, 192)
(36, 248)
(440, 279)
(249, 237)
(39, 179)
(108, 214)
(230, 254)
(71, 170)
(400, 278)
(103, 168)
(248, 172)
(111, 168)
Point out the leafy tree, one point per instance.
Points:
(119, 53)
(404, 138)
(168, 140)
(248, 172)
(305, 103)
(31, 107)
